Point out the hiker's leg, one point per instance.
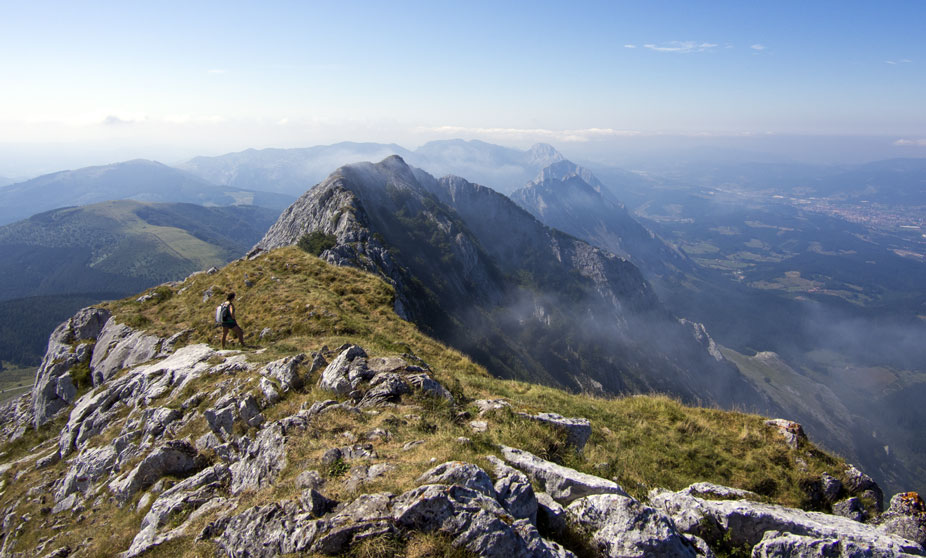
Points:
(240, 333)
(224, 335)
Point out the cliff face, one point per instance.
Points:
(525, 300)
(568, 197)
(388, 445)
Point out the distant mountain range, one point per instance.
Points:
(99, 251)
(529, 302)
(292, 171)
(139, 180)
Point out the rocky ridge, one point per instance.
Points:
(529, 302)
(128, 444)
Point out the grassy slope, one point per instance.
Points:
(641, 441)
(15, 380)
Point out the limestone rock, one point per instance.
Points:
(860, 484)
(118, 347)
(743, 522)
(777, 544)
(562, 483)
(623, 527)
(385, 387)
(429, 386)
(832, 487)
(265, 531)
(851, 508)
(285, 371)
(175, 457)
(905, 517)
(54, 388)
(261, 460)
(514, 491)
(335, 376)
(488, 405)
(189, 494)
(792, 431)
(577, 429)
(472, 520)
(95, 411)
(551, 516)
(91, 465)
(460, 474)
(270, 391)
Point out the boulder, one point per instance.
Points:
(471, 519)
(514, 491)
(832, 487)
(367, 516)
(623, 527)
(905, 517)
(429, 386)
(777, 544)
(89, 466)
(577, 430)
(261, 459)
(96, 410)
(551, 517)
(860, 484)
(189, 494)
(335, 376)
(460, 474)
(793, 432)
(265, 531)
(851, 508)
(562, 483)
(487, 406)
(270, 391)
(176, 458)
(385, 388)
(285, 371)
(744, 523)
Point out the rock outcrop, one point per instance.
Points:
(748, 523)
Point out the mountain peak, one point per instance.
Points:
(544, 154)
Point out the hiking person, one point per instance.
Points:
(229, 322)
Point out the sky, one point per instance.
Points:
(94, 80)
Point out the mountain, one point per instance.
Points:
(287, 171)
(139, 180)
(98, 251)
(501, 168)
(351, 433)
(568, 197)
(291, 171)
(471, 267)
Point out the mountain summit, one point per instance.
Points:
(525, 300)
(570, 198)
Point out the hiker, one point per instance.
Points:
(229, 322)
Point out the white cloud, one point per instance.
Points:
(895, 62)
(758, 47)
(573, 136)
(681, 47)
(911, 142)
(630, 46)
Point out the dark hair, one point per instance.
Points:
(230, 296)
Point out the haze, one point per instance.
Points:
(92, 83)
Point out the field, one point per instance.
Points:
(15, 380)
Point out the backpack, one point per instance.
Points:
(222, 313)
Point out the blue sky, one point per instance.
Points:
(209, 77)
